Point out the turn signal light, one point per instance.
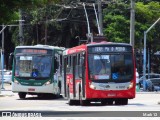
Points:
(130, 85)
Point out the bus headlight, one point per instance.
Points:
(92, 86)
(16, 81)
(130, 85)
(48, 82)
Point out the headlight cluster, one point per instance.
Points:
(130, 85)
(92, 86)
(16, 81)
(48, 82)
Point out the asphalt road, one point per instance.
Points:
(144, 104)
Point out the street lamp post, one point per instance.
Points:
(100, 16)
(144, 54)
(2, 56)
(132, 22)
(2, 52)
(21, 28)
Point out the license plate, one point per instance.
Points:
(31, 89)
(111, 94)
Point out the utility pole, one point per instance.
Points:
(37, 32)
(2, 57)
(100, 16)
(46, 31)
(2, 53)
(132, 22)
(20, 28)
(144, 54)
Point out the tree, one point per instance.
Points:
(117, 24)
(117, 21)
(9, 8)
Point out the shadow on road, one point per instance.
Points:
(34, 97)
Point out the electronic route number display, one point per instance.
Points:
(33, 51)
(101, 49)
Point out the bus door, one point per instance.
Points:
(73, 73)
(58, 72)
(78, 75)
(82, 73)
(64, 84)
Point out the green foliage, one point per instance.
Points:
(36, 21)
(41, 13)
(117, 21)
(10, 14)
(9, 8)
(146, 15)
(117, 30)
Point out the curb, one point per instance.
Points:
(5, 93)
(147, 92)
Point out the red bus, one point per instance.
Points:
(102, 72)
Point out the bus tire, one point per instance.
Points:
(70, 102)
(83, 102)
(107, 102)
(121, 101)
(110, 102)
(125, 102)
(22, 95)
(104, 102)
(59, 92)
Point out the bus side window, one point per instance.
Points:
(60, 64)
(55, 65)
(81, 66)
(68, 70)
(77, 65)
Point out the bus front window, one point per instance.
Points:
(122, 67)
(99, 66)
(112, 68)
(33, 66)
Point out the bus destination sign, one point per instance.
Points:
(110, 49)
(32, 51)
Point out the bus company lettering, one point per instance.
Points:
(75, 50)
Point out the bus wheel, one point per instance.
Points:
(107, 102)
(70, 102)
(59, 92)
(125, 102)
(22, 95)
(110, 102)
(83, 102)
(121, 102)
(104, 102)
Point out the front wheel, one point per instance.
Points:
(107, 102)
(121, 102)
(83, 102)
(22, 95)
(58, 93)
(70, 102)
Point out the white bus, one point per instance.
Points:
(37, 70)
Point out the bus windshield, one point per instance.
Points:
(33, 66)
(111, 67)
